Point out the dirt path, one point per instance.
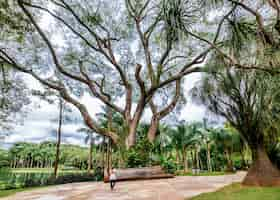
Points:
(177, 188)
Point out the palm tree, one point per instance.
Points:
(225, 140)
(205, 134)
(89, 139)
(246, 100)
(239, 143)
(58, 137)
(182, 138)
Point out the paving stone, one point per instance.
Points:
(178, 188)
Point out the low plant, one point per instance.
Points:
(168, 165)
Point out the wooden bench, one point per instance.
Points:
(127, 174)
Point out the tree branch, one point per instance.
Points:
(139, 80)
(49, 45)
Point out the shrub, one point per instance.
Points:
(23, 180)
(237, 164)
(139, 155)
(168, 165)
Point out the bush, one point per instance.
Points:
(23, 180)
(168, 165)
(139, 155)
(4, 163)
(237, 164)
(70, 178)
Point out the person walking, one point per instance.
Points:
(113, 178)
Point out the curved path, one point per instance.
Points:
(177, 188)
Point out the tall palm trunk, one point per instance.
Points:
(243, 161)
(177, 159)
(185, 160)
(58, 137)
(103, 153)
(209, 164)
(193, 160)
(229, 160)
(110, 125)
(90, 154)
(197, 157)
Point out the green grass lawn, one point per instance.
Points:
(203, 174)
(239, 192)
(21, 173)
(14, 179)
(45, 170)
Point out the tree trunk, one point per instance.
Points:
(185, 160)
(131, 138)
(193, 160)
(177, 159)
(58, 138)
(103, 154)
(153, 129)
(243, 161)
(229, 161)
(209, 164)
(90, 154)
(262, 172)
(197, 158)
(107, 157)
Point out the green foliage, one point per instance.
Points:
(93, 19)
(168, 165)
(12, 21)
(139, 155)
(177, 19)
(240, 33)
(274, 153)
(4, 159)
(42, 155)
(11, 180)
(237, 164)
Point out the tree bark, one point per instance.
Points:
(197, 158)
(242, 153)
(131, 138)
(193, 160)
(90, 154)
(185, 160)
(177, 159)
(229, 161)
(153, 129)
(262, 172)
(159, 115)
(58, 138)
(209, 164)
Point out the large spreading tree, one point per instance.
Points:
(130, 50)
(114, 50)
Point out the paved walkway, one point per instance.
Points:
(177, 188)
